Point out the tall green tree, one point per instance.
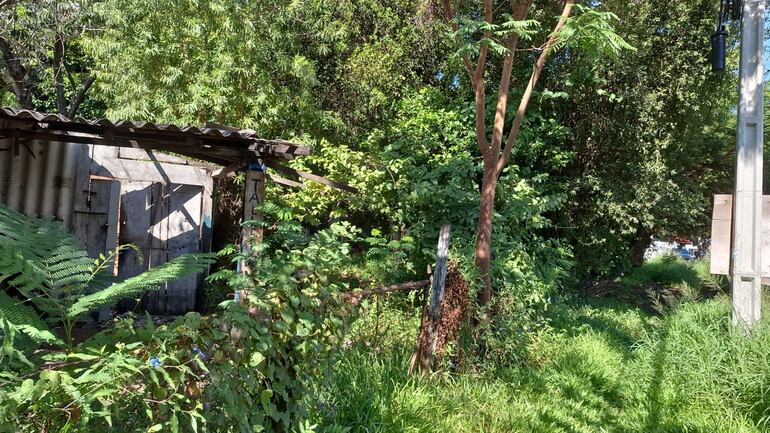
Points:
(652, 134)
(41, 62)
(329, 69)
(500, 33)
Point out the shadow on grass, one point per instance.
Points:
(654, 392)
(585, 315)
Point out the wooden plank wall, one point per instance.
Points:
(721, 241)
(720, 234)
(161, 203)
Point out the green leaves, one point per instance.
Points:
(44, 262)
(469, 34)
(177, 268)
(592, 31)
(24, 319)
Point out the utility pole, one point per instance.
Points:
(747, 220)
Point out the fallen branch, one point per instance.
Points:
(356, 297)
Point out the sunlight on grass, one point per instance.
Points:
(609, 367)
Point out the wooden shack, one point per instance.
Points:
(114, 183)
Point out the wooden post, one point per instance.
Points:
(254, 196)
(439, 274)
(426, 344)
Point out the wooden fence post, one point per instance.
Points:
(426, 344)
(439, 274)
(253, 197)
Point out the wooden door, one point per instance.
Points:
(95, 220)
(164, 221)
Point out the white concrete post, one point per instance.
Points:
(747, 222)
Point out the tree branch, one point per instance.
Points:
(503, 159)
(60, 70)
(481, 121)
(58, 74)
(450, 19)
(479, 72)
(520, 10)
(477, 82)
(356, 296)
(70, 79)
(78, 98)
(18, 74)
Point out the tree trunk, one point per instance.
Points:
(58, 74)
(18, 73)
(494, 159)
(640, 246)
(484, 231)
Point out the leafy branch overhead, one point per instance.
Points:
(592, 31)
(472, 34)
(40, 53)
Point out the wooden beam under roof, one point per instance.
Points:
(310, 176)
(221, 156)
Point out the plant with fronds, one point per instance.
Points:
(592, 30)
(49, 268)
(495, 35)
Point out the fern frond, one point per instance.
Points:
(25, 320)
(593, 31)
(42, 260)
(153, 279)
(102, 267)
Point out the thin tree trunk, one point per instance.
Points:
(640, 246)
(495, 156)
(484, 232)
(58, 74)
(80, 96)
(524, 103)
(18, 73)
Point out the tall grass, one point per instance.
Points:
(604, 366)
(668, 270)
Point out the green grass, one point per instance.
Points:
(668, 270)
(601, 366)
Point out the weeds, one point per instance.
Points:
(603, 365)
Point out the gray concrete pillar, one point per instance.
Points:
(747, 221)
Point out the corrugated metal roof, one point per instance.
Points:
(246, 134)
(219, 144)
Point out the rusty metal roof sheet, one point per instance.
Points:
(9, 112)
(219, 144)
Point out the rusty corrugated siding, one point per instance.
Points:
(41, 179)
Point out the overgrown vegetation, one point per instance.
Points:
(249, 367)
(593, 365)
(51, 271)
(612, 149)
(622, 133)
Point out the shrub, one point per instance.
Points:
(248, 368)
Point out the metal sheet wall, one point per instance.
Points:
(41, 179)
(88, 188)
